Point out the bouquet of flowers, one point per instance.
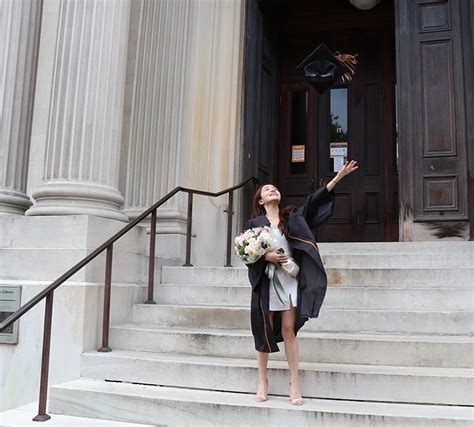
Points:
(254, 243)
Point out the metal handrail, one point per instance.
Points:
(108, 246)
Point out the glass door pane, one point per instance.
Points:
(299, 132)
(338, 114)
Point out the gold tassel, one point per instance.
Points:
(350, 62)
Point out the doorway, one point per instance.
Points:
(299, 126)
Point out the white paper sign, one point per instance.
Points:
(338, 149)
(338, 163)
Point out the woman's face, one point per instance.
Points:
(268, 194)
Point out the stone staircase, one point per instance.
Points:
(393, 346)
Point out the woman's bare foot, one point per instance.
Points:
(295, 395)
(262, 389)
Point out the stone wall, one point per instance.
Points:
(121, 101)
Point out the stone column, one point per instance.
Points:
(85, 117)
(154, 134)
(153, 117)
(19, 40)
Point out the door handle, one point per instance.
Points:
(321, 182)
(311, 184)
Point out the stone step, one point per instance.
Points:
(336, 297)
(397, 248)
(183, 406)
(402, 261)
(329, 320)
(375, 349)
(451, 386)
(393, 277)
(382, 277)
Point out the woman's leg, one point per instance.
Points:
(262, 359)
(288, 319)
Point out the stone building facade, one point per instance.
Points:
(107, 105)
(115, 103)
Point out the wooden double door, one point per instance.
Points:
(318, 132)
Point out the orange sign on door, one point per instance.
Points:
(297, 153)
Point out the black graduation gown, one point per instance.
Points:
(312, 280)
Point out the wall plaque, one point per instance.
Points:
(10, 297)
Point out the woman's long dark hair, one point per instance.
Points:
(258, 209)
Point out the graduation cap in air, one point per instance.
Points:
(323, 69)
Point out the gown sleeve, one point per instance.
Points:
(256, 270)
(318, 206)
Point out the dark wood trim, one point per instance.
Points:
(404, 40)
(389, 137)
(251, 93)
(467, 31)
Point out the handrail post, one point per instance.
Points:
(151, 261)
(188, 230)
(43, 394)
(230, 212)
(107, 288)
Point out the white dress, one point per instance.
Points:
(289, 283)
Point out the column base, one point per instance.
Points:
(72, 198)
(13, 202)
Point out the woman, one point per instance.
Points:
(272, 320)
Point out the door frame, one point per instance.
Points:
(250, 123)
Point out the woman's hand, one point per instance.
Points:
(348, 168)
(275, 258)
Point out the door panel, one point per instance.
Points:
(297, 119)
(337, 124)
(433, 109)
